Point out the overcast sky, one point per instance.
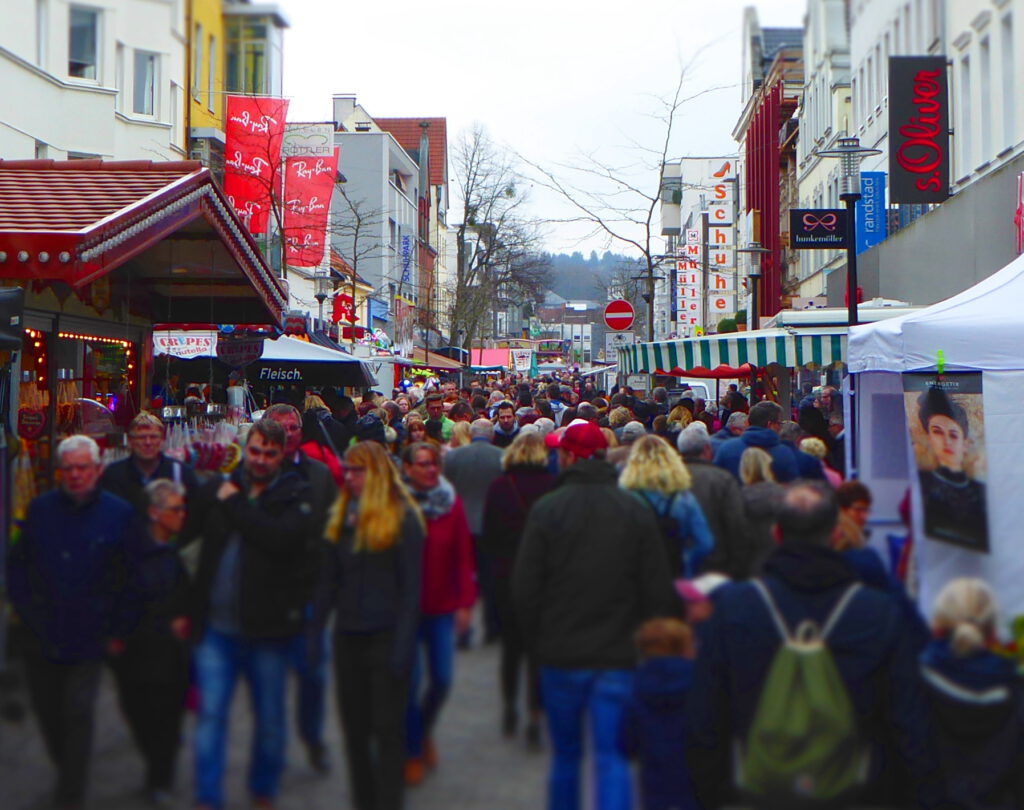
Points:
(549, 78)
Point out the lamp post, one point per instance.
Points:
(321, 292)
(754, 274)
(850, 153)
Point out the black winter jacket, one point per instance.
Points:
(276, 581)
(590, 570)
(124, 479)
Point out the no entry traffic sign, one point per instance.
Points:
(619, 314)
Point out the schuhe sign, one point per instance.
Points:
(817, 228)
(918, 129)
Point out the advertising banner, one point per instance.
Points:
(406, 258)
(522, 359)
(343, 309)
(239, 352)
(185, 344)
(308, 184)
(872, 217)
(722, 205)
(252, 156)
(689, 295)
(309, 140)
(946, 418)
(918, 129)
(817, 228)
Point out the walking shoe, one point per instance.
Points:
(316, 753)
(415, 771)
(429, 754)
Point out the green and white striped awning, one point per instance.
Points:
(791, 348)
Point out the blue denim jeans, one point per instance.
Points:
(569, 694)
(310, 655)
(219, 660)
(436, 636)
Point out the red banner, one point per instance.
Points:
(344, 309)
(252, 156)
(308, 183)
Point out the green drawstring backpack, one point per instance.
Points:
(804, 747)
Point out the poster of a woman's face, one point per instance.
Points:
(947, 428)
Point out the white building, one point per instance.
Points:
(93, 80)
(825, 113)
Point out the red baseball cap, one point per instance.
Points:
(581, 439)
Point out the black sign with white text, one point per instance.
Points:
(817, 228)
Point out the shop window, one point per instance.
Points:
(83, 43)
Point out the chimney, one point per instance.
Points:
(344, 106)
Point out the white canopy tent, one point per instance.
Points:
(978, 330)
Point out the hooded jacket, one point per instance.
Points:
(784, 464)
(591, 569)
(871, 647)
(449, 569)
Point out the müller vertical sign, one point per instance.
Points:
(918, 129)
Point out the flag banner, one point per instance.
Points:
(918, 129)
(252, 156)
(308, 183)
(344, 310)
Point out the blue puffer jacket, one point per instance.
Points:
(784, 463)
(697, 540)
(655, 731)
(69, 573)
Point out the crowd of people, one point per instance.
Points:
(690, 581)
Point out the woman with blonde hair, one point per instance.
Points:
(461, 436)
(815, 447)
(974, 696)
(657, 475)
(762, 498)
(371, 579)
(509, 498)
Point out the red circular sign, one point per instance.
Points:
(619, 314)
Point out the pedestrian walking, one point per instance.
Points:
(764, 423)
(152, 669)
(67, 577)
(509, 500)
(656, 474)
(762, 498)
(591, 569)
(506, 426)
(252, 592)
(371, 581)
(446, 601)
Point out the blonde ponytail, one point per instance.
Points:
(965, 612)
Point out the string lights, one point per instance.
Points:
(94, 339)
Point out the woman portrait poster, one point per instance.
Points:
(947, 428)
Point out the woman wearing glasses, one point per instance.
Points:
(449, 591)
(371, 578)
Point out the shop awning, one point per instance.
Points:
(787, 347)
(439, 362)
(488, 359)
(163, 232)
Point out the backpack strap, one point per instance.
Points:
(839, 609)
(806, 631)
(773, 610)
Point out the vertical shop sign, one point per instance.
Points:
(872, 225)
(308, 184)
(918, 129)
(252, 155)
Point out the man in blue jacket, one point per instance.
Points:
(762, 431)
(871, 644)
(67, 577)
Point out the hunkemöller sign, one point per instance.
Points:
(918, 129)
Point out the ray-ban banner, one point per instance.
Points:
(252, 156)
(918, 129)
(308, 183)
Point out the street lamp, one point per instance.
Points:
(321, 292)
(754, 274)
(850, 153)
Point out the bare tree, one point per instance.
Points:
(497, 244)
(355, 233)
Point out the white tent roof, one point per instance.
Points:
(286, 349)
(977, 329)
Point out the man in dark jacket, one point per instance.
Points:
(718, 494)
(765, 418)
(253, 588)
(68, 576)
(506, 428)
(591, 569)
(309, 655)
(871, 645)
(808, 467)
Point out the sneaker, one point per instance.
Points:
(429, 754)
(316, 754)
(415, 771)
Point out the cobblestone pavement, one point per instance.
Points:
(479, 769)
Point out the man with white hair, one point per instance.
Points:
(734, 426)
(718, 494)
(67, 578)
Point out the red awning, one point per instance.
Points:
(77, 220)
(489, 358)
(718, 373)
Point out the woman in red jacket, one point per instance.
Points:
(446, 601)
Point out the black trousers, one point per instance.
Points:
(513, 650)
(371, 700)
(64, 700)
(152, 681)
(486, 575)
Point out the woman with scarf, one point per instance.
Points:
(372, 576)
(448, 594)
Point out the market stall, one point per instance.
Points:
(954, 367)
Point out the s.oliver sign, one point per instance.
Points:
(918, 129)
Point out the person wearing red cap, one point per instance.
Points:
(591, 569)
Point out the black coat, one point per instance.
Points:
(718, 494)
(276, 584)
(507, 505)
(124, 479)
(591, 569)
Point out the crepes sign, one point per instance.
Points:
(185, 345)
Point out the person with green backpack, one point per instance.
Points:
(802, 674)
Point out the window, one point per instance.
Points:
(964, 130)
(985, 102)
(119, 76)
(197, 61)
(1008, 77)
(144, 85)
(176, 118)
(211, 75)
(42, 31)
(83, 43)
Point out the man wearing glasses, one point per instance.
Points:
(68, 576)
